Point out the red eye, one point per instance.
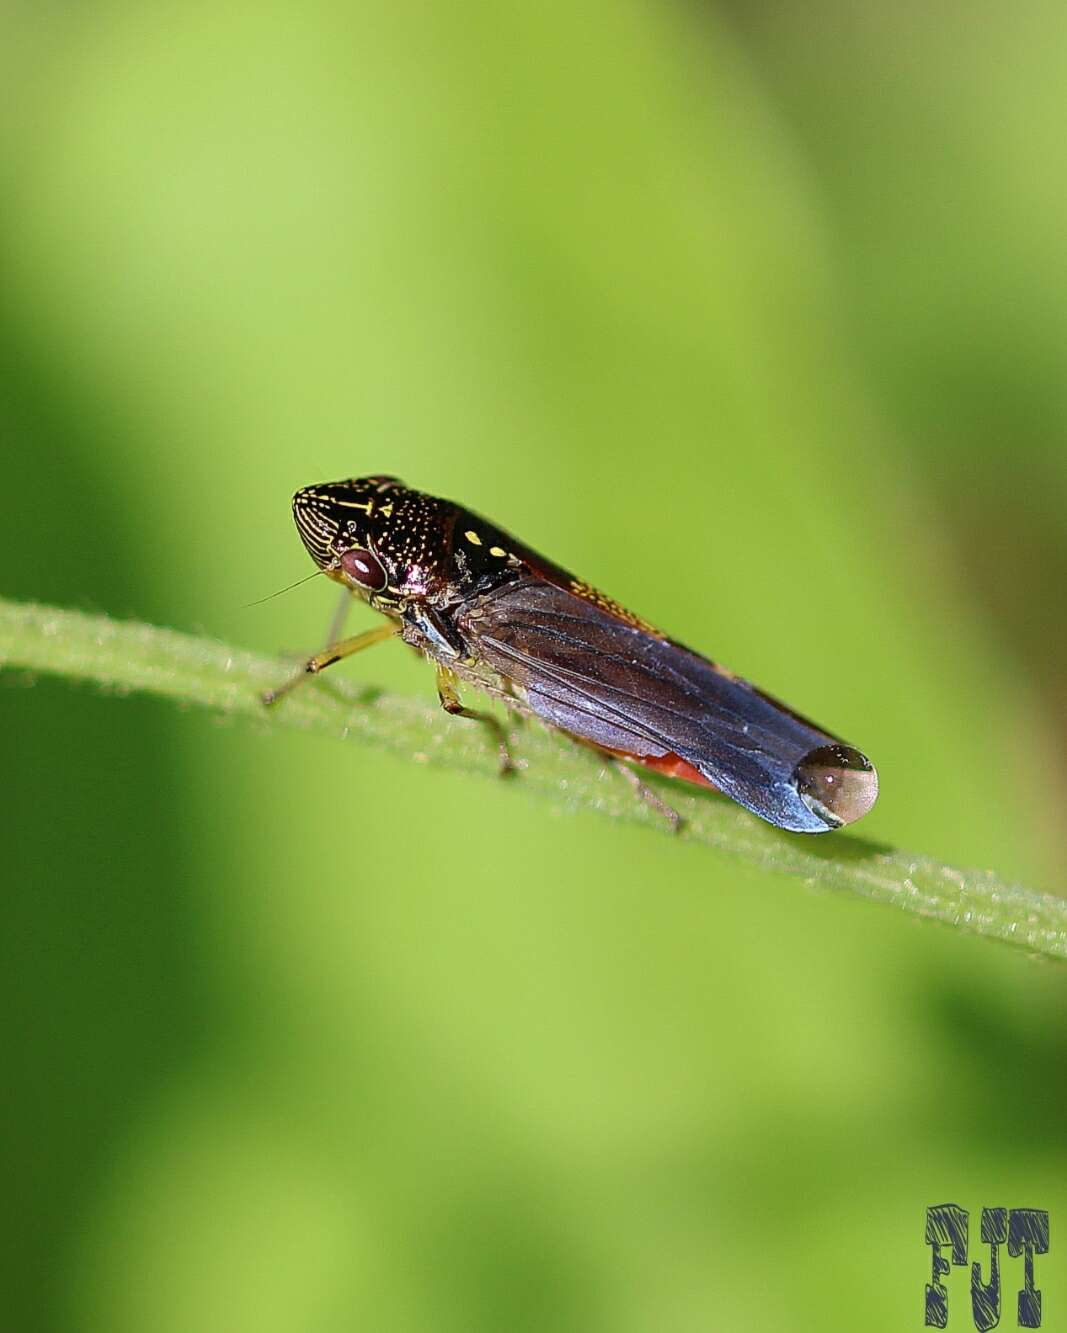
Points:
(363, 568)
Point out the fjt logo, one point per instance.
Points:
(1026, 1233)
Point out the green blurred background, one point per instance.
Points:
(753, 316)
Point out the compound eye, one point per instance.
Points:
(365, 569)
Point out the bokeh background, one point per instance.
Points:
(754, 316)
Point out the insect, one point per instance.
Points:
(490, 612)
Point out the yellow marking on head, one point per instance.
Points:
(366, 505)
(386, 510)
(497, 551)
(473, 538)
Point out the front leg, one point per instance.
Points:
(336, 652)
(448, 693)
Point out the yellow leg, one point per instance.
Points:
(328, 656)
(448, 693)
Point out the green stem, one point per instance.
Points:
(126, 657)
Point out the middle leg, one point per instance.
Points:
(448, 693)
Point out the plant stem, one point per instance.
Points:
(127, 657)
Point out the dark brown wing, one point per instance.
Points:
(621, 687)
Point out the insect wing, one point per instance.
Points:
(616, 685)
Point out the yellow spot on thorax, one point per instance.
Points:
(473, 538)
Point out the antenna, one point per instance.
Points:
(271, 595)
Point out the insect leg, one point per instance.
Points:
(337, 621)
(646, 794)
(328, 656)
(515, 712)
(448, 693)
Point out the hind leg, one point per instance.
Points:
(646, 794)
